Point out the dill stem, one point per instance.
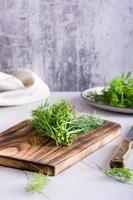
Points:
(75, 131)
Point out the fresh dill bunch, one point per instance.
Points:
(118, 93)
(37, 182)
(85, 123)
(59, 122)
(50, 120)
(124, 175)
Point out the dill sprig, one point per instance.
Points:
(37, 182)
(118, 93)
(124, 175)
(60, 122)
(86, 123)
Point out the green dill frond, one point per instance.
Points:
(118, 93)
(124, 175)
(37, 182)
(59, 122)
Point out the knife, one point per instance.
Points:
(122, 153)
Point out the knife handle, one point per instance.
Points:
(121, 154)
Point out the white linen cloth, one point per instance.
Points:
(9, 82)
(20, 86)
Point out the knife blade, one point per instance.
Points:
(130, 134)
(122, 152)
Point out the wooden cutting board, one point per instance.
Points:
(21, 148)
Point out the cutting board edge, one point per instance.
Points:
(59, 168)
(26, 165)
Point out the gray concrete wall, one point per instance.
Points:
(71, 44)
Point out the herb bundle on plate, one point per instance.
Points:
(119, 93)
(60, 122)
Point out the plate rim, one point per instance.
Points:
(104, 106)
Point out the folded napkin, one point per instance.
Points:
(19, 86)
(9, 82)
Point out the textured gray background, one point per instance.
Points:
(71, 44)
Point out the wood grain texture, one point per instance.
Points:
(71, 44)
(21, 148)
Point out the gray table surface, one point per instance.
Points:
(83, 181)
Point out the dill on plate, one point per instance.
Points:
(119, 93)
